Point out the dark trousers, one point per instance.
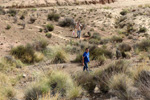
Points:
(85, 66)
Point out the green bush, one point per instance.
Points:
(49, 27)
(48, 35)
(53, 16)
(67, 22)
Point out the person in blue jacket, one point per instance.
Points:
(86, 59)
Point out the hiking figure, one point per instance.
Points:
(79, 28)
(86, 59)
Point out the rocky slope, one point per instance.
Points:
(45, 3)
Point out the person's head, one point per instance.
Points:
(87, 50)
(78, 22)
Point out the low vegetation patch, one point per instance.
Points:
(57, 83)
(12, 12)
(53, 16)
(60, 56)
(49, 27)
(26, 54)
(67, 22)
(144, 45)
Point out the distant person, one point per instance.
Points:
(86, 59)
(79, 28)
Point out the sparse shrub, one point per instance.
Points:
(103, 76)
(124, 47)
(38, 56)
(40, 30)
(94, 41)
(86, 81)
(48, 35)
(25, 53)
(59, 57)
(96, 36)
(2, 12)
(6, 90)
(104, 41)
(12, 12)
(49, 27)
(122, 86)
(67, 22)
(74, 92)
(78, 58)
(36, 90)
(89, 33)
(32, 20)
(143, 29)
(53, 16)
(143, 83)
(124, 12)
(8, 27)
(22, 17)
(40, 45)
(96, 53)
(144, 45)
(116, 39)
(60, 82)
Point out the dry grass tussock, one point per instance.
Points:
(6, 89)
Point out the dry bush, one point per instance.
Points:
(6, 90)
(86, 80)
(8, 63)
(116, 39)
(12, 12)
(48, 35)
(67, 22)
(144, 45)
(143, 29)
(49, 27)
(96, 53)
(103, 76)
(54, 84)
(24, 53)
(40, 45)
(2, 12)
(32, 20)
(124, 47)
(143, 82)
(122, 86)
(60, 56)
(53, 16)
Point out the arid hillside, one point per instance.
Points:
(40, 55)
